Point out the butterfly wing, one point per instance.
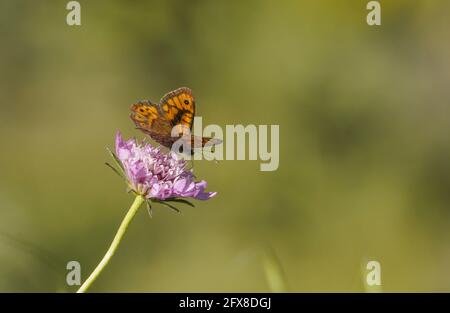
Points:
(200, 142)
(178, 107)
(147, 117)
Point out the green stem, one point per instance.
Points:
(123, 227)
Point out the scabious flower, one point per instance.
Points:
(153, 176)
(157, 175)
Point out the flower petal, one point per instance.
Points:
(205, 195)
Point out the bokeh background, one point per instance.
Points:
(364, 148)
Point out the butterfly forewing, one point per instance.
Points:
(148, 117)
(144, 113)
(178, 107)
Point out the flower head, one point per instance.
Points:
(157, 175)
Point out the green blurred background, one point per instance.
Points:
(364, 152)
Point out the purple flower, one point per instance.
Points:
(157, 175)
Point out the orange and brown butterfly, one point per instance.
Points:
(175, 109)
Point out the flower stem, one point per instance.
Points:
(115, 243)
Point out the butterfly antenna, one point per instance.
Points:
(210, 154)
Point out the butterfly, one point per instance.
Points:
(176, 109)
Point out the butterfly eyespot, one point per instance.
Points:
(186, 101)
